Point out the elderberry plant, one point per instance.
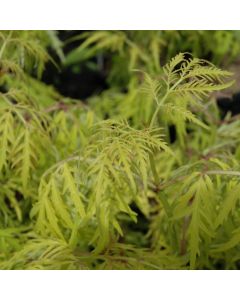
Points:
(74, 182)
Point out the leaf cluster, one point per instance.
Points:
(77, 179)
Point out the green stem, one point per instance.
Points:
(153, 168)
(5, 44)
(163, 100)
(157, 109)
(222, 172)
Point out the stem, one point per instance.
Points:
(183, 241)
(158, 108)
(169, 90)
(153, 168)
(221, 172)
(5, 44)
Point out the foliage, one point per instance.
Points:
(124, 51)
(78, 179)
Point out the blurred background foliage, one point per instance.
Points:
(101, 66)
(101, 60)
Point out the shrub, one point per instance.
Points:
(78, 181)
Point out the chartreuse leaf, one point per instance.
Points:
(7, 137)
(25, 154)
(229, 204)
(59, 205)
(233, 241)
(201, 218)
(70, 185)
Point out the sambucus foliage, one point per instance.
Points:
(72, 180)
